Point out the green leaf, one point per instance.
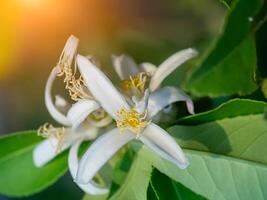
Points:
(136, 183)
(165, 188)
(232, 108)
(18, 174)
(215, 176)
(230, 66)
(243, 137)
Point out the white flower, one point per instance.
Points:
(132, 74)
(79, 128)
(133, 121)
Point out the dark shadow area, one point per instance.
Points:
(205, 137)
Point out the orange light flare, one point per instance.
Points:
(33, 4)
(36, 30)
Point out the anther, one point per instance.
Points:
(49, 131)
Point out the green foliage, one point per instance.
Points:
(232, 108)
(215, 176)
(19, 176)
(229, 67)
(242, 137)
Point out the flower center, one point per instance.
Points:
(75, 86)
(49, 131)
(132, 120)
(136, 84)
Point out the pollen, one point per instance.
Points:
(75, 86)
(49, 131)
(136, 83)
(132, 120)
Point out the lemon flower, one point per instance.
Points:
(134, 79)
(133, 121)
(76, 128)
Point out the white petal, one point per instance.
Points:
(100, 152)
(148, 67)
(163, 144)
(169, 65)
(67, 55)
(166, 96)
(46, 150)
(54, 112)
(101, 87)
(125, 66)
(91, 187)
(80, 111)
(69, 50)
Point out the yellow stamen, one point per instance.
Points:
(136, 83)
(49, 131)
(75, 86)
(132, 120)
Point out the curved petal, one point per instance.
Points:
(148, 67)
(80, 111)
(91, 187)
(101, 87)
(69, 50)
(169, 65)
(164, 97)
(54, 112)
(125, 66)
(100, 152)
(46, 151)
(163, 144)
(67, 56)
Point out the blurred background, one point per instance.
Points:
(33, 33)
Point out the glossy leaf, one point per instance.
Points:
(242, 137)
(21, 177)
(232, 108)
(230, 66)
(215, 176)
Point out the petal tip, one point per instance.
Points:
(194, 51)
(73, 37)
(184, 165)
